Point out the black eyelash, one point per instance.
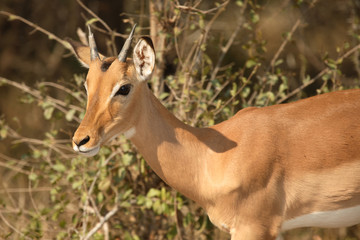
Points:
(124, 90)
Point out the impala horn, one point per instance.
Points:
(93, 49)
(123, 53)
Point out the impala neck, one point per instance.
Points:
(171, 148)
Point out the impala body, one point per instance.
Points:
(262, 171)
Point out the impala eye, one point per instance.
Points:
(124, 90)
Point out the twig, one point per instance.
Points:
(229, 43)
(196, 51)
(16, 169)
(91, 189)
(94, 15)
(12, 227)
(26, 190)
(58, 86)
(38, 28)
(193, 9)
(282, 46)
(109, 30)
(37, 94)
(239, 90)
(32, 199)
(101, 223)
(325, 70)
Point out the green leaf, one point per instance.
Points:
(270, 96)
(140, 200)
(127, 159)
(239, 3)
(100, 197)
(273, 79)
(282, 87)
(48, 113)
(201, 23)
(91, 21)
(104, 184)
(70, 115)
(163, 95)
(278, 62)
(77, 184)
(148, 203)
(33, 176)
(245, 92)
(127, 194)
(153, 193)
(250, 63)
(59, 167)
(233, 90)
(306, 79)
(3, 133)
(254, 16)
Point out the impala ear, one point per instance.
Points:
(82, 52)
(144, 58)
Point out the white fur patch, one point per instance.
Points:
(329, 219)
(86, 87)
(130, 133)
(75, 147)
(144, 59)
(114, 91)
(88, 152)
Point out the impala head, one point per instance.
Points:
(113, 86)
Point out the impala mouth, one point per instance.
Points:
(88, 152)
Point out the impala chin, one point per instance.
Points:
(88, 152)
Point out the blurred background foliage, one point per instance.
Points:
(213, 59)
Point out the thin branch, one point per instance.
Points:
(14, 168)
(108, 29)
(282, 46)
(26, 190)
(193, 9)
(37, 94)
(239, 90)
(38, 28)
(58, 86)
(94, 15)
(229, 43)
(101, 223)
(91, 189)
(32, 199)
(325, 70)
(12, 227)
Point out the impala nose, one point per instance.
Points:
(82, 142)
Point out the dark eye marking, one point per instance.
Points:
(105, 66)
(124, 90)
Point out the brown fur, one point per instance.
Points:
(252, 172)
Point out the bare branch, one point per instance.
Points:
(101, 223)
(37, 94)
(325, 70)
(12, 227)
(229, 43)
(26, 190)
(91, 189)
(38, 28)
(282, 46)
(193, 9)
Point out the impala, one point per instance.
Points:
(263, 171)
